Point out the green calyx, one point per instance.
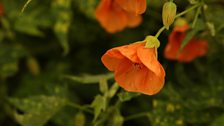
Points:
(152, 42)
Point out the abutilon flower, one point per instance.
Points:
(113, 18)
(136, 68)
(195, 48)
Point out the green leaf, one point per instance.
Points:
(117, 119)
(27, 24)
(90, 79)
(9, 56)
(99, 104)
(126, 96)
(63, 18)
(193, 1)
(103, 85)
(198, 27)
(6, 30)
(37, 109)
(218, 121)
(61, 30)
(87, 7)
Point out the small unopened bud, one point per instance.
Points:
(180, 22)
(33, 66)
(169, 13)
(211, 28)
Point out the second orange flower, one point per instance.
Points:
(115, 15)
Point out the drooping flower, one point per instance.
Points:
(134, 6)
(136, 68)
(113, 18)
(195, 48)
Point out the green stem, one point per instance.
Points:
(83, 108)
(196, 17)
(25, 6)
(136, 116)
(180, 14)
(160, 31)
(188, 10)
(220, 28)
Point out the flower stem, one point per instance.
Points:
(196, 17)
(83, 108)
(188, 10)
(160, 31)
(180, 14)
(136, 116)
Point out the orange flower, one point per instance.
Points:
(195, 48)
(136, 68)
(134, 6)
(113, 18)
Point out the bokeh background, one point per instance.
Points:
(51, 73)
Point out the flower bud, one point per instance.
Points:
(169, 13)
(180, 22)
(33, 66)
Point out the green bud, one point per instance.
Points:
(33, 66)
(211, 28)
(180, 22)
(169, 13)
(151, 42)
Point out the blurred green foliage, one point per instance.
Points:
(51, 73)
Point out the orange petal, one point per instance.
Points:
(136, 78)
(201, 46)
(192, 50)
(140, 6)
(127, 77)
(134, 6)
(130, 51)
(152, 83)
(149, 59)
(174, 42)
(113, 56)
(195, 48)
(111, 17)
(171, 50)
(111, 59)
(134, 20)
